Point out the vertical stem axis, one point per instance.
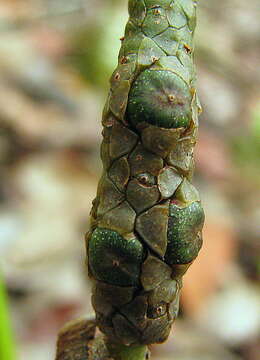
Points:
(147, 218)
(123, 352)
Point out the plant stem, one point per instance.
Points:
(78, 340)
(123, 352)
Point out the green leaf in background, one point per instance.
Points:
(255, 125)
(6, 339)
(91, 54)
(246, 148)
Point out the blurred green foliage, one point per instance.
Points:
(6, 340)
(246, 147)
(94, 47)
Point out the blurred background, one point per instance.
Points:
(56, 57)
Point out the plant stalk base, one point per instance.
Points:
(80, 340)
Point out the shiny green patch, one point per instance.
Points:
(184, 226)
(114, 259)
(160, 98)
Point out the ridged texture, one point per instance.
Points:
(146, 220)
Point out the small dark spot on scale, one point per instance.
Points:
(143, 179)
(154, 58)
(171, 97)
(123, 60)
(109, 122)
(115, 263)
(159, 310)
(187, 48)
(157, 11)
(117, 76)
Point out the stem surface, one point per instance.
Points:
(123, 352)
